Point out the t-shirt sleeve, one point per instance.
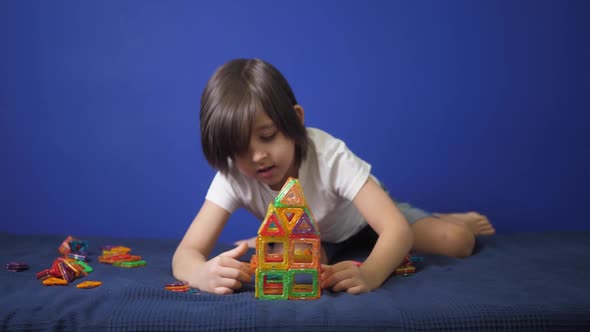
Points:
(348, 172)
(222, 193)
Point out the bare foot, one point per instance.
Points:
(477, 223)
(251, 242)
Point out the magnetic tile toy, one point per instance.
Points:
(16, 266)
(287, 259)
(88, 284)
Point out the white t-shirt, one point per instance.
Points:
(331, 175)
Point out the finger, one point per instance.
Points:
(251, 242)
(345, 269)
(325, 271)
(330, 280)
(328, 283)
(357, 290)
(336, 277)
(234, 264)
(344, 285)
(222, 290)
(229, 283)
(331, 269)
(344, 265)
(233, 273)
(236, 252)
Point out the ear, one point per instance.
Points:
(300, 112)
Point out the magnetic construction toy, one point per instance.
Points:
(287, 258)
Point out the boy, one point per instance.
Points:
(253, 133)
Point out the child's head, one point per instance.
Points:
(229, 105)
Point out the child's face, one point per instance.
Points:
(271, 155)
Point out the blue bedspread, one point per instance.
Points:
(522, 281)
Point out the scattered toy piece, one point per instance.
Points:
(88, 284)
(70, 266)
(44, 274)
(17, 266)
(405, 270)
(53, 281)
(180, 287)
(130, 264)
(120, 256)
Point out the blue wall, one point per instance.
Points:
(459, 105)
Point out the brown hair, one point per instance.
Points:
(233, 95)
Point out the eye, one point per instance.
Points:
(268, 137)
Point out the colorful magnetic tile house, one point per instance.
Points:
(288, 248)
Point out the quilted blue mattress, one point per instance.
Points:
(516, 282)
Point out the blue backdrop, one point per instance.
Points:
(458, 105)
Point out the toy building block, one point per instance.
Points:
(304, 227)
(291, 195)
(304, 290)
(301, 253)
(287, 255)
(272, 284)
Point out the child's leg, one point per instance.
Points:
(450, 234)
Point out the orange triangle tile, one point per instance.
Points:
(272, 226)
(290, 216)
(291, 195)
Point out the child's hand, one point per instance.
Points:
(224, 274)
(344, 276)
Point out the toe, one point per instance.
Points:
(487, 231)
(474, 215)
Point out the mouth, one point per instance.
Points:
(265, 172)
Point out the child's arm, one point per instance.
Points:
(394, 242)
(222, 274)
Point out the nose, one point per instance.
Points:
(258, 155)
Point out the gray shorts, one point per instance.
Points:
(366, 238)
(411, 213)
